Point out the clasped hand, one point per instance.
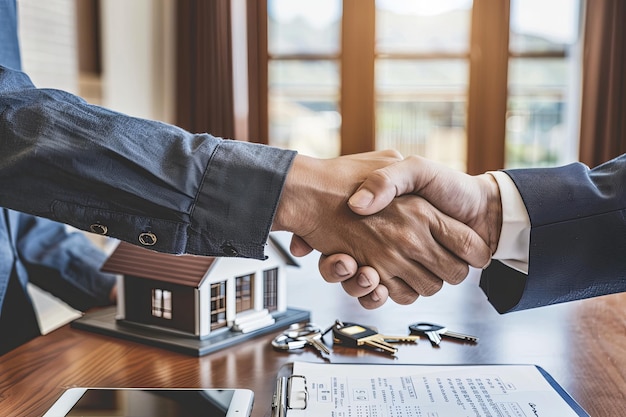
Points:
(410, 225)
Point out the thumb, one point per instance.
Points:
(298, 247)
(383, 185)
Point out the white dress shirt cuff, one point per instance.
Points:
(514, 243)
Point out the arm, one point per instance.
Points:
(577, 238)
(84, 165)
(154, 184)
(62, 262)
(578, 232)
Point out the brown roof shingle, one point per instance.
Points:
(134, 260)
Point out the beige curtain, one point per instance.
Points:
(603, 115)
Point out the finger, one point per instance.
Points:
(376, 192)
(436, 264)
(439, 243)
(384, 184)
(338, 267)
(400, 291)
(376, 298)
(405, 276)
(362, 283)
(462, 242)
(299, 247)
(405, 290)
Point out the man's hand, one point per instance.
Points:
(472, 200)
(411, 245)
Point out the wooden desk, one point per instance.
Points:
(582, 344)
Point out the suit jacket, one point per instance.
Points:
(577, 237)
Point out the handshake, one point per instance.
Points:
(389, 227)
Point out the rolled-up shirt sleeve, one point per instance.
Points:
(141, 181)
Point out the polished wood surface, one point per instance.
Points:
(581, 344)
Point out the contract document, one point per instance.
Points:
(376, 390)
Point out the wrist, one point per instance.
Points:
(493, 213)
(291, 211)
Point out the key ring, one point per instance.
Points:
(284, 342)
(298, 330)
(296, 336)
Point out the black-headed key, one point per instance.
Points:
(435, 331)
(356, 335)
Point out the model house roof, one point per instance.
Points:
(134, 260)
(187, 270)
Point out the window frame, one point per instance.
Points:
(487, 96)
(270, 289)
(244, 292)
(162, 303)
(218, 299)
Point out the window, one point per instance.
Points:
(543, 83)
(304, 75)
(422, 77)
(476, 85)
(162, 303)
(270, 289)
(244, 293)
(218, 305)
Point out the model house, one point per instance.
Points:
(196, 295)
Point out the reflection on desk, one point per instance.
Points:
(581, 344)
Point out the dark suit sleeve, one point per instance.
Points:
(577, 238)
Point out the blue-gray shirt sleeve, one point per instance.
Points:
(142, 181)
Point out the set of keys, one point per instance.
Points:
(299, 335)
(356, 335)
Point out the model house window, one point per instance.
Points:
(244, 296)
(218, 304)
(473, 84)
(270, 289)
(162, 303)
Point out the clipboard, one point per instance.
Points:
(516, 390)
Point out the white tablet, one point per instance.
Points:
(153, 402)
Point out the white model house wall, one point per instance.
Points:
(230, 268)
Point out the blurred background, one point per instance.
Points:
(477, 85)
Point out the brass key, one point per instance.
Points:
(356, 335)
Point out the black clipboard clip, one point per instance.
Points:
(286, 395)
